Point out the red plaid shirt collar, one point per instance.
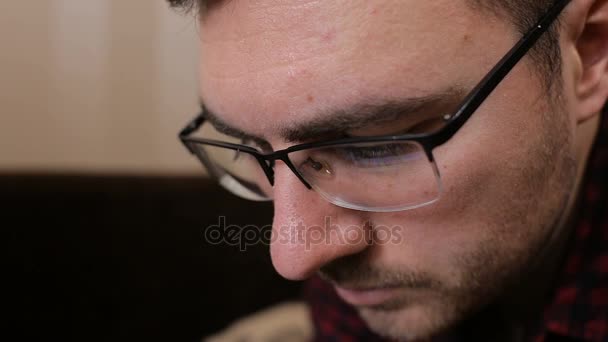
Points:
(578, 310)
(580, 306)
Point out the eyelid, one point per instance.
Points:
(404, 126)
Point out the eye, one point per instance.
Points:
(430, 125)
(377, 155)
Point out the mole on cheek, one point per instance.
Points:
(310, 98)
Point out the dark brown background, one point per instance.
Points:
(122, 258)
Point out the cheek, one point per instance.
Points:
(495, 203)
(496, 165)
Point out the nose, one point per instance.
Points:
(308, 231)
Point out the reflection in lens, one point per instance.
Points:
(237, 171)
(242, 176)
(385, 176)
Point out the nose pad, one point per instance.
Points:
(309, 232)
(295, 171)
(268, 167)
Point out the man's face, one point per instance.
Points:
(270, 65)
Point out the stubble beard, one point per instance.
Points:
(487, 273)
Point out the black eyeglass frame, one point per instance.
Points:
(429, 141)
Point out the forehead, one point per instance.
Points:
(266, 63)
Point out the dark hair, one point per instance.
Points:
(522, 14)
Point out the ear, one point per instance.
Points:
(592, 48)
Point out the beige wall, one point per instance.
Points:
(95, 85)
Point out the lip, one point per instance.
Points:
(367, 296)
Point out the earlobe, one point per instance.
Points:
(592, 47)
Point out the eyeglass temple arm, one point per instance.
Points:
(192, 127)
(485, 87)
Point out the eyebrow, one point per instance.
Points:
(354, 117)
(224, 128)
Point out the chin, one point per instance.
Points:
(413, 322)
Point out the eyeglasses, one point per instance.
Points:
(379, 173)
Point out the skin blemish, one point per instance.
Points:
(310, 98)
(328, 36)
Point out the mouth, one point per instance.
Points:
(369, 296)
